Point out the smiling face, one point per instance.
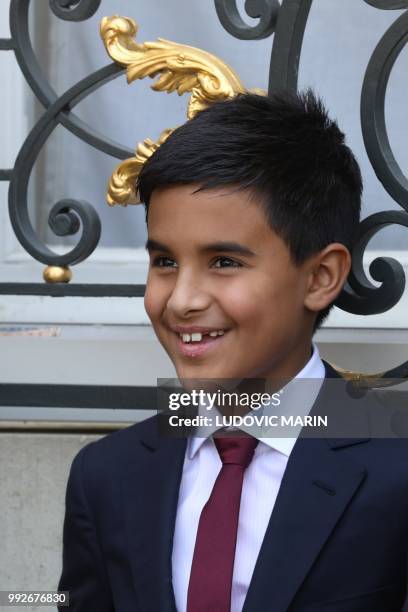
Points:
(217, 268)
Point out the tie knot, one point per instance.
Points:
(236, 450)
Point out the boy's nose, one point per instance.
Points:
(188, 295)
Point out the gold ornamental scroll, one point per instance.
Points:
(179, 68)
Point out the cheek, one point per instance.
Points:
(148, 305)
(252, 302)
(153, 300)
(243, 309)
(262, 306)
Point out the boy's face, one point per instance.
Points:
(216, 265)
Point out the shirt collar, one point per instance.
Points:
(314, 369)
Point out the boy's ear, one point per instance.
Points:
(328, 271)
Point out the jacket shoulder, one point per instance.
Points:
(117, 448)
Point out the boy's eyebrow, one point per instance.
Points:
(226, 247)
(154, 245)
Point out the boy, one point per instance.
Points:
(252, 210)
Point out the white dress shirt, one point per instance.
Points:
(260, 488)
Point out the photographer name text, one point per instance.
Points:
(248, 420)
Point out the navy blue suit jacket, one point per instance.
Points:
(337, 539)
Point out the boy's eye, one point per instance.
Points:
(226, 262)
(221, 262)
(164, 262)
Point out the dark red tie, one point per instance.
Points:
(209, 589)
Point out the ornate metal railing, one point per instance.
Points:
(287, 22)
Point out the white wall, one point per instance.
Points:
(33, 476)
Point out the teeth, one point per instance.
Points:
(198, 336)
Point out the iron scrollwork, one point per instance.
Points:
(362, 297)
(264, 10)
(66, 217)
(74, 10)
(287, 21)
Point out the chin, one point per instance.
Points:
(195, 371)
(203, 371)
(198, 371)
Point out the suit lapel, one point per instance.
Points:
(317, 486)
(150, 494)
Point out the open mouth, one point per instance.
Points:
(200, 337)
(197, 343)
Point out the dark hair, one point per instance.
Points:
(286, 151)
